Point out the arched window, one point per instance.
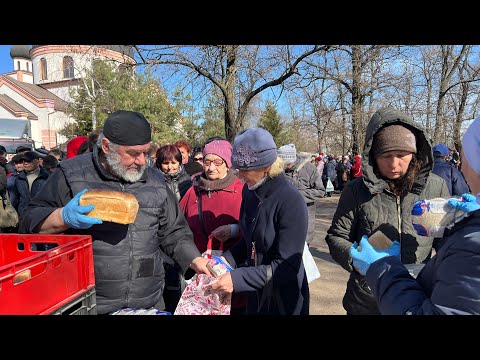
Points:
(68, 67)
(18, 65)
(43, 69)
(28, 67)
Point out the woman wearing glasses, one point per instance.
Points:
(212, 205)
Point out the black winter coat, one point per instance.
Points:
(23, 194)
(367, 204)
(128, 261)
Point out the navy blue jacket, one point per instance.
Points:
(23, 194)
(329, 171)
(448, 284)
(455, 181)
(274, 217)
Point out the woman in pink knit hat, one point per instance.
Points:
(212, 205)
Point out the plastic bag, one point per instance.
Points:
(199, 299)
(310, 266)
(329, 187)
(134, 311)
(432, 217)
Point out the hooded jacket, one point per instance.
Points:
(367, 204)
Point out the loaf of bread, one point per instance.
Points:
(379, 240)
(114, 206)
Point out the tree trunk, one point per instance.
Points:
(357, 136)
(232, 123)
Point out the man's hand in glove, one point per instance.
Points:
(73, 214)
(467, 204)
(365, 254)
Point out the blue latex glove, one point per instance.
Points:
(72, 214)
(368, 254)
(468, 203)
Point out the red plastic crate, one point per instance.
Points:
(40, 282)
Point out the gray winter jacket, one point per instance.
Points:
(367, 204)
(307, 180)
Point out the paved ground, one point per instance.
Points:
(326, 293)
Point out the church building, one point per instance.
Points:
(35, 94)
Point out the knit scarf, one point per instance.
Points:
(205, 184)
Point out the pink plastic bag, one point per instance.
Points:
(196, 299)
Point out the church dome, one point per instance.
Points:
(20, 51)
(122, 49)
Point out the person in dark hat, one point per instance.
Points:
(127, 258)
(273, 228)
(29, 181)
(50, 163)
(22, 148)
(396, 172)
(442, 167)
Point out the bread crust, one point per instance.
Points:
(113, 206)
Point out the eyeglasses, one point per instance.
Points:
(217, 162)
(198, 159)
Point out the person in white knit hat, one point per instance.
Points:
(305, 177)
(449, 284)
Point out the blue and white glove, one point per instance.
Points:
(73, 214)
(468, 203)
(363, 258)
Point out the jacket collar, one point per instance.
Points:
(270, 186)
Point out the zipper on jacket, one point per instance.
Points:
(130, 261)
(399, 215)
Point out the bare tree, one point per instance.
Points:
(450, 63)
(239, 72)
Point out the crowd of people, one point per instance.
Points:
(238, 198)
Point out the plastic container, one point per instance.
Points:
(432, 217)
(46, 282)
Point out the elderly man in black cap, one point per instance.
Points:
(127, 258)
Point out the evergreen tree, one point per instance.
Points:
(213, 114)
(270, 120)
(106, 89)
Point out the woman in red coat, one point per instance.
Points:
(217, 195)
(220, 194)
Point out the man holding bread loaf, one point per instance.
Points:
(397, 167)
(132, 216)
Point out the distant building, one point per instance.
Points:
(38, 88)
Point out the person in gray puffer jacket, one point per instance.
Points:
(305, 177)
(397, 171)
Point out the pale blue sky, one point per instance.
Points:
(6, 63)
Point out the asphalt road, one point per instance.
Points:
(326, 292)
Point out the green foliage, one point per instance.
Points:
(214, 118)
(270, 120)
(107, 90)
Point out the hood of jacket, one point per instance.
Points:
(380, 119)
